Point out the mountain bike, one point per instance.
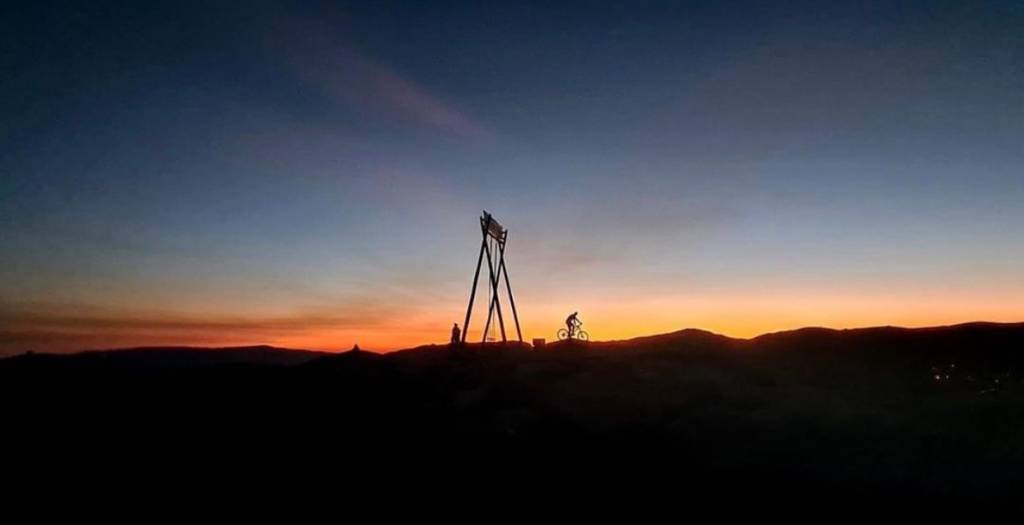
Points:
(578, 335)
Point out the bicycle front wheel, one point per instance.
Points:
(582, 336)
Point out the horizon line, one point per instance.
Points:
(382, 352)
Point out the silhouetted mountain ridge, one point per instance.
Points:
(181, 356)
(689, 338)
(995, 337)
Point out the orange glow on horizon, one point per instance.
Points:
(734, 315)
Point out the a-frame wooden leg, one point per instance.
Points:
(502, 270)
(472, 292)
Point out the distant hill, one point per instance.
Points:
(968, 338)
(690, 339)
(975, 342)
(177, 356)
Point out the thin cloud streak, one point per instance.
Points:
(63, 328)
(320, 58)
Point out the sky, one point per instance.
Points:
(310, 174)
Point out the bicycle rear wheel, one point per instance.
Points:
(563, 334)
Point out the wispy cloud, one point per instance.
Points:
(62, 328)
(320, 57)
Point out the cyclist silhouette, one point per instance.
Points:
(572, 323)
(572, 331)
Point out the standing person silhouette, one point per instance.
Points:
(456, 334)
(572, 323)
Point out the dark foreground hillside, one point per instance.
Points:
(884, 413)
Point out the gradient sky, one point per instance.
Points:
(310, 175)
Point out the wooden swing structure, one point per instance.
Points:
(492, 245)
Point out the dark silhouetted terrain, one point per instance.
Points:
(885, 411)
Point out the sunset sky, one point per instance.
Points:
(310, 174)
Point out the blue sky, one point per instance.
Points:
(311, 173)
